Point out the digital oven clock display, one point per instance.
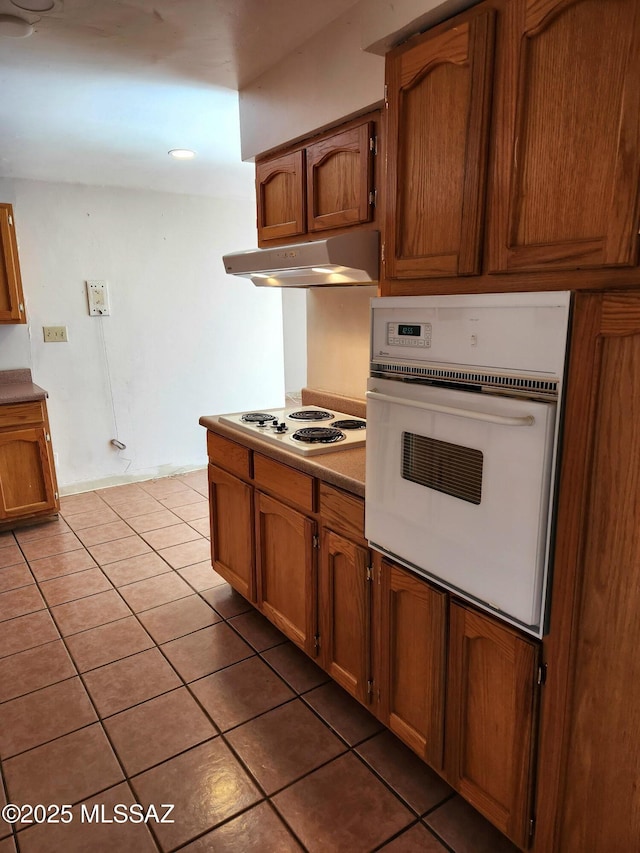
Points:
(406, 329)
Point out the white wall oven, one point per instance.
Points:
(463, 408)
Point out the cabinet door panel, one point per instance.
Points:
(345, 614)
(413, 661)
(231, 508)
(26, 479)
(286, 570)
(567, 144)
(492, 707)
(438, 109)
(11, 297)
(280, 193)
(339, 179)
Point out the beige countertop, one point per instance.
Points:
(16, 387)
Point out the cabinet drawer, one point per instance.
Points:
(19, 414)
(342, 512)
(283, 481)
(229, 455)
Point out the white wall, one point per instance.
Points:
(183, 339)
(294, 321)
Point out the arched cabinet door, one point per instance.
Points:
(280, 196)
(339, 179)
(566, 152)
(438, 101)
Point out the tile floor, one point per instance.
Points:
(130, 672)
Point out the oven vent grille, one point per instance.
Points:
(523, 384)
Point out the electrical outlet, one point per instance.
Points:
(55, 334)
(98, 298)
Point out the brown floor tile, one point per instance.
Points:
(412, 780)
(334, 808)
(135, 569)
(164, 487)
(257, 630)
(81, 836)
(92, 518)
(27, 632)
(284, 745)
(206, 651)
(417, 839)
(61, 564)
(257, 831)
(226, 601)
(5, 828)
(197, 479)
(85, 502)
(51, 545)
(152, 592)
(74, 586)
(6, 538)
(10, 555)
(41, 531)
(201, 525)
(191, 512)
(201, 576)
(142, 505)
(466, 831)
(130, 681)
(114, 495)
(119, 549)
(32, 669)
(14, 577)
(180, 499)
(7, 845)
(44, 715)
(177, 618)
(174, 535)
(187, 554)
(108, 643)
(206, 784)
(104, 533)
(342, 713)
(240, 692)
(297, 669)
(158, 730)
(17, 602)
(153, 521)
(88, 764)
(86, 613)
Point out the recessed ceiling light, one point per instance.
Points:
(11, 26)
(34, 5)
(182, 153)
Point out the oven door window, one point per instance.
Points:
(449, 468)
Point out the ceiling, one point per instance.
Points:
(102, 89)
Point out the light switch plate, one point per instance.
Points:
(55, 334)
(98, 297)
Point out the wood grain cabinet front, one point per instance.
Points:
(11, 296)
(438, 89)
(280, 195)
(566, 150)
(28, 485)
(232, 547)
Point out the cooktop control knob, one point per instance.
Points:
(281, 427)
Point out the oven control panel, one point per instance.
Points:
(409, 334)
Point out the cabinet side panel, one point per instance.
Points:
(601, 810)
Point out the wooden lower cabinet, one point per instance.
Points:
(232, 545)
(492, 700)
(413, 618)
(285, 570)
(27, 477)
(344, 594)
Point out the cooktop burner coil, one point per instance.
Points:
(350, 423)
(311, 415)
(256, 417)
(318, 435)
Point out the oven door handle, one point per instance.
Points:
(526, 420)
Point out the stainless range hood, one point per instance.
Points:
(345, 259)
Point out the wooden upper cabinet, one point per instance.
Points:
(11, 296)
(438, 92)
(566, 149)
(339, 179)
(280, 191)
(491, 714)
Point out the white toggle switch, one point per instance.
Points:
(98, 297)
